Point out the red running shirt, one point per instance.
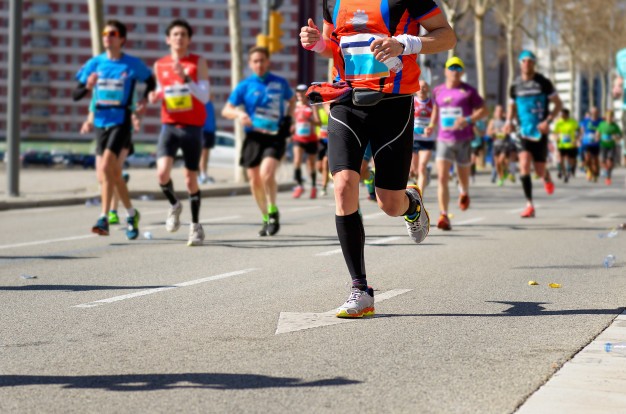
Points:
(179, 106)
(304, 127)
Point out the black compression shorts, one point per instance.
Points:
(387, 126)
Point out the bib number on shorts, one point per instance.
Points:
(109, 92)
(360, 63)
(448, 116)
(178, 98)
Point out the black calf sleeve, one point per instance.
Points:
(527, 184)
(352, 239)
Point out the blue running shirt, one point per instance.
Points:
(590, 127)
(264, 100)
(209, 124)
(115, 88)
(532, 99)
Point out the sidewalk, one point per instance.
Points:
(59, 186)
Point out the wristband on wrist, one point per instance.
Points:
(412, 44)
(468, 119)
(318, 47)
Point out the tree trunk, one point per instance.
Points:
(479, 20)
(236, 73)
(603, 91)
(510, 34)
(572, 74)
(590, 91)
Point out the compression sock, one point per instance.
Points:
(313, 179)
(271, 209)
(168, 190)
(527, 184)
(297, 175)
(194, 200)
(352, 239)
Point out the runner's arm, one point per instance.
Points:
(319, 42)
(558, 105)
(201, 89)
(491, 130)
(440, 36)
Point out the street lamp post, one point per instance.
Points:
(14, 93)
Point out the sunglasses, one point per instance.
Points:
(110, 33)
(456, 68)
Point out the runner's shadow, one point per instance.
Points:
(72, 288)
(154, 382)
(44, 257)
(519, 309)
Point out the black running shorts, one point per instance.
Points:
(323, 150)
(258, 146)
(537, 149)
(387, 126)
(115, 138)
(310, 148)
(568, 152)
(186, 137)
(208, 139)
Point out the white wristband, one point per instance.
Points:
(412, 44)
(318, 47)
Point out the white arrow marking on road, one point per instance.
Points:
(470, 221)
(161, 289)
(295, 321)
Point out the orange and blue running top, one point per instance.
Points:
(356, 23)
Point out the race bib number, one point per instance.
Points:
(324, 132)
(606, 137)
(266, 121)
(177, 98)
(303, 129)
(566, 139)
(500, 135)
(109, 92)
(420, 125)
(448, 116)
(359, 60)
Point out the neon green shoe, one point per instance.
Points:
(113, 217)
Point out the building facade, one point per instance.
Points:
(56, 42)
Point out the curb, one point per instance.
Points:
(225, 191)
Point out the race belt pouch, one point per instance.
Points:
(366, 97)
(324, 92)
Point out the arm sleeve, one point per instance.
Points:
(150, 86)
(423, 9)
(200, 90)
(79, 92)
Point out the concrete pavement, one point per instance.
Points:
(57, 186)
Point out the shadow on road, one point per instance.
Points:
(44, 257)
(520, 309)
(74, 288)
(154, 382)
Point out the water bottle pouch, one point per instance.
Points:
(366, 97)
(324, 92)
(359, 61)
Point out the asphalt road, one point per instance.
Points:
(110, 325)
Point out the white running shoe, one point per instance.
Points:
(196, 234)
(172, 223)
(417, 228)
(359, 304)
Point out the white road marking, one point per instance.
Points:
(161, 289)
(377, 242)
(295, 321)
(293, 210)
(38, 242)
(470, 221)
(374, 215)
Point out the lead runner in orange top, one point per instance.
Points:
(374, 45)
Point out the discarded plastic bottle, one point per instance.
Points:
(618, 347)
(147, 235)
(609, 261)
(613, 233)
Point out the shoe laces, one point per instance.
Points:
(355, 295)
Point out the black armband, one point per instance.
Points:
(79, 92)
(150, 86)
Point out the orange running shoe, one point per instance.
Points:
(297, 192)
(444, 223)
(313, 193)
(528, 212)
(464, 202)
(549, 186)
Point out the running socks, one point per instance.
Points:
(297, 175)
(168, 190)
(411, 213)
(130, 211)
(352, 239)
(313, 179)
(194, 200)
(528, 186)
(271, 209)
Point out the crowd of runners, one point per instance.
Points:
(377, 124)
